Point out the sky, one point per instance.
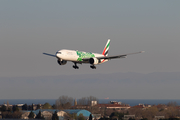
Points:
(112, 86)
(29, 28)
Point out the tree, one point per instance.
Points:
(104, 118)
(16, 115)
(81, 117)
(54, 106)
(67, 105)
(138, 112)
(117, 115)
(87, 100)
(39, 116)
(64, 102)
(131, 119)
(29, 107)
(3, 108)
(144, 119)
(149, 113)
(15, 108)
(94, 109)
(32, 107)
(31, 115)
(172, 104)
(38, 107)
(9, 110)
(47, 106)
(69, 116)
(6, 115)
(25, 107)
(172, 112)
(55, 116)
(90, 117)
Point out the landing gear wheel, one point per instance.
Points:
(93, 67)
(75, 66)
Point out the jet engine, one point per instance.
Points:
(63, 62)
(94, 61)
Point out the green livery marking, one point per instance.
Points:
(84, 55)
(107, 45)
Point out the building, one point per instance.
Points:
(48, 113)
(115, 102)
(61, 115)
(159, 117)
(127, 117)
(25, 115)
(85, 113)
(93, 103)
(96, 116)
(75, 102)
(114, 106)
(140, 106)
(81, 107)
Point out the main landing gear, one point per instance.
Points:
(93, 67)
(75, 66)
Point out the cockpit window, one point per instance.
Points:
(58, 52)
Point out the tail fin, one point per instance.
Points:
(106, 48)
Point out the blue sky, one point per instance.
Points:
(29, 28)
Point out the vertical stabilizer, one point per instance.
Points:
(106, 48)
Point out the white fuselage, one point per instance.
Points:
(76, 56)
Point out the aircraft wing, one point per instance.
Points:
(49, 54)
(114, 57)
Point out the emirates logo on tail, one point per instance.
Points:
(106, 48)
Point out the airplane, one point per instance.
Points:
(79, 57)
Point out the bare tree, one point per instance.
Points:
(149, 113)
(64, 102)
(138, 112)
(87, 100)
(82, 101)
(69, 116)
(93, 109)
(171, 112)
(173, 104)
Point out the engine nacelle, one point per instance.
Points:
(94, 61)
(63, 62)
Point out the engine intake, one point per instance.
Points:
(94, 61)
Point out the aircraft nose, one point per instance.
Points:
(58, 54)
